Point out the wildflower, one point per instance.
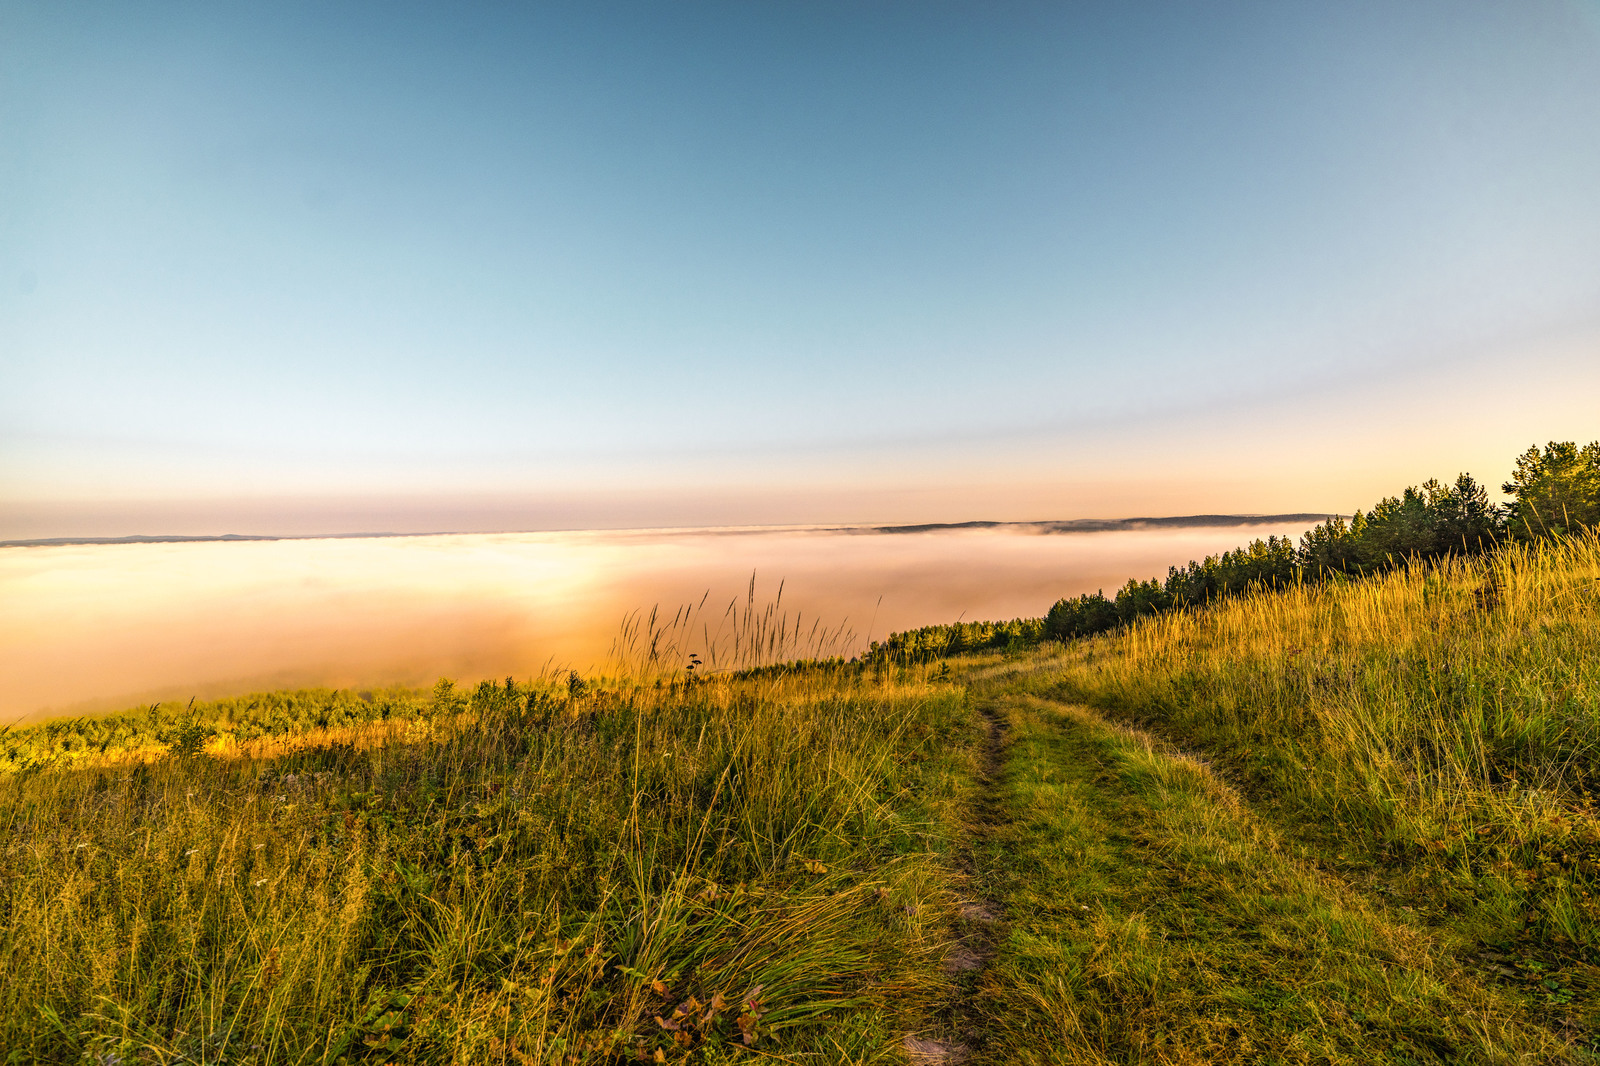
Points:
(748, 1020)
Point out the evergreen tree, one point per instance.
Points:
(1555, 490)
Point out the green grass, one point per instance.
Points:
(1347, 823)
(1434, 730)
(1406, 763)
(533, 878)
(1154, 918)
(223, 725)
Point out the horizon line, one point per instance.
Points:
(1069, 525)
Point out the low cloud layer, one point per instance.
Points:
(99, 627)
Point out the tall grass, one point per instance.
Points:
(1155, 917)
(742, 637)
(534, 875)
(1437, 725)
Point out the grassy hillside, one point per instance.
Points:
(1441, 724)
(1350, 822)
(537, 875)
(1353, 822)
(1157, 916)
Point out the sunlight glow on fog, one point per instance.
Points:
(106, 626)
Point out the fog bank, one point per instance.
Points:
(99, 627)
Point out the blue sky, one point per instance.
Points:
(648, 263)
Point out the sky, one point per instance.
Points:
(338, 267)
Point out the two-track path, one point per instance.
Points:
(980, 923)
(1126, 904)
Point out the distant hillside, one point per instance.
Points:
(174, 538)
(1071, 525)
(1106, 525)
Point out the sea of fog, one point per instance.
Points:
(92, 627)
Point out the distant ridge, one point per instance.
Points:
(1071, 525)
(1107, 525)
(175, 538)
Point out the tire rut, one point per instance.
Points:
(981, 921)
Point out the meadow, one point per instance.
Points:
(1348, 819)
(545, 873)
(1349, 822)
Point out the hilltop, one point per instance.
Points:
(1346, 818)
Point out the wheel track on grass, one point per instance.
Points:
(1253, 807)
(981, 920)
(958, 1033)
(1484, 962)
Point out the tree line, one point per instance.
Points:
(1554, 491)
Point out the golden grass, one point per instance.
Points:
(1154, 917)
(1345, 823)
(1445, 717)
(600, 875)
(1428, 736)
